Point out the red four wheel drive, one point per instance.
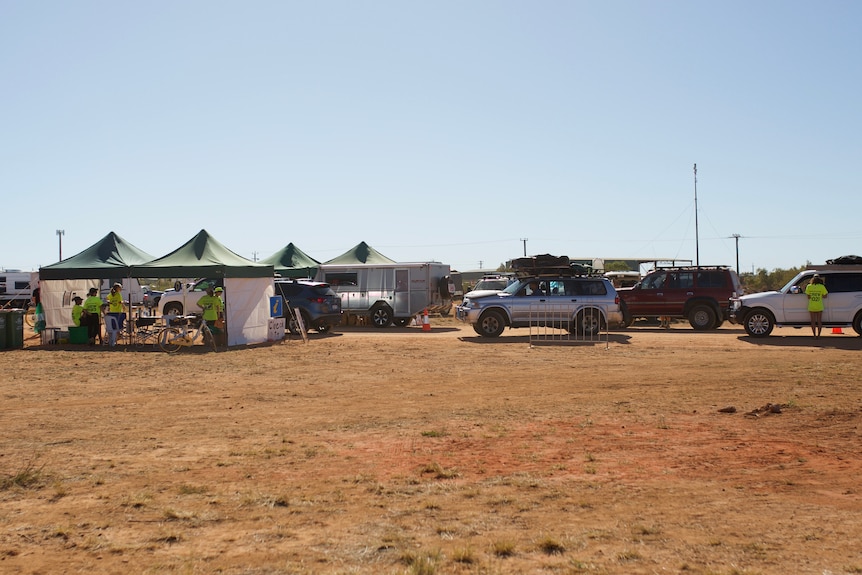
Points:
(699, 293)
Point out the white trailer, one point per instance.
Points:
(16, 288)
(390, 293)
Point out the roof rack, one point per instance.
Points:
(548, 265)
(834, 267)
(693, 267)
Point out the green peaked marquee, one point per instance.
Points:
(110, 258)
(361, 253)
(202, 256)
(292, 262)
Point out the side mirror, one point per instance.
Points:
(795, 289)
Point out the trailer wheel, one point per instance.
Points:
(381, 315)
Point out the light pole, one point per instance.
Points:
(696, 234)
(60, 234)
(525, 245)
(736, 237)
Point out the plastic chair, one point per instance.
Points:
(112, 329)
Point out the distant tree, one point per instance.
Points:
(617, 266)
(763, 280)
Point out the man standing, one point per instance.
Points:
(92, 315)
(213, 311)
(116, 306)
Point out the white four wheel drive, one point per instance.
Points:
(760, 313)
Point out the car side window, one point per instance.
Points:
(685, 280)
(841, 283)
(654, 281)
(710, 279)
(592, 288)
(556, 287)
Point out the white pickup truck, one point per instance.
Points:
(179, 302)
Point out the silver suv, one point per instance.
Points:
(582, 304)
(759, 313)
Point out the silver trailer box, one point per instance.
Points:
(390, 293)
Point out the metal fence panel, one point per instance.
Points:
(552, 323)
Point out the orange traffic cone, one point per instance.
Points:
(426, 323)
(837, 330)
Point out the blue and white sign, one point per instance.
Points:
(276, 306)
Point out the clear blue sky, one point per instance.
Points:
(444, 130)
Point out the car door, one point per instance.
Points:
(560, 301)
(528, 305)
(844, 298)
(795, 303)
(678, 289)
(650, 298)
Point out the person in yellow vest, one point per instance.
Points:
(92, 316)
(221, 338)
(77, 310)
(116, 306)
(816, 293)
(213, 311)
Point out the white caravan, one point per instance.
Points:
(390, 293)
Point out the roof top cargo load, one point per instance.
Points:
(388, 293)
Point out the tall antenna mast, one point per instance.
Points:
(696, 235)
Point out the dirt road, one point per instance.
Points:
(398, 451)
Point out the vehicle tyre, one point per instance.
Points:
(293, 325)
(857, 323)
(173, 308)
(702, 317)
(167, 337)
(381, 315)
(588, 322)
(628, 320)
(759, 323)
(401, 321)
(490, 324)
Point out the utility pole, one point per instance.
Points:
(254, 256)
(736, 237)
(525, 245)
(60, 234)
(696, 234)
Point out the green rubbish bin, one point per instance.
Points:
(3, 316)
(14, 328)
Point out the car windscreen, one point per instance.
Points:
(513, 288)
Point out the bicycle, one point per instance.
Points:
(179, 334)
(147, 332)
(30, 315)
